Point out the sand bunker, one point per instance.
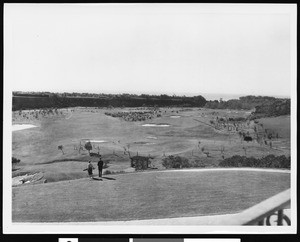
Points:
(175, 116)
(94, 140)
(156, 125)
(17, 127)
(151, 137)
(143, 143)
(25, 179)
(98, 141)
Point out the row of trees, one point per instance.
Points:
(276, 108)
(262, 104)
(103, 100)
(96, 95)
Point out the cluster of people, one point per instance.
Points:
(90, 168)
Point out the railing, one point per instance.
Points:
(268, 212)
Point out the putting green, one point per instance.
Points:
(146, 195)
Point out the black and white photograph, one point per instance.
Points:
(149, 118)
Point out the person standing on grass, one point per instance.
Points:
(100, 166)
(90, 169)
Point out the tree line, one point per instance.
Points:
(263, 105)
(64, 100)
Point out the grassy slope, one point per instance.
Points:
(145, 196)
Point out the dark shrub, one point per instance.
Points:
(285, 161)
(176, 162)
(197, 163)
(234, 161)
(88, 146)
(107, 172)
(15, 161)
(248, 138)
(269, 161)
(140, 162)
(95, 154)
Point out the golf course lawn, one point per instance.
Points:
(146, 195)
(69, 196)
(37, 148)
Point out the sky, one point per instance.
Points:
(149, 48)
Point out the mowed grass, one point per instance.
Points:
(146, 195)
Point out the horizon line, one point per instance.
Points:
(190, 94)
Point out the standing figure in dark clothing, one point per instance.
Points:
(100, 166)
(90, 169)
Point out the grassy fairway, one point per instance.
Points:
(146, 195)
(37, 148)
(70, 197)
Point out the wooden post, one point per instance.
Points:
(280, 217)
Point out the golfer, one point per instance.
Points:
(90, 169)
(100, 166)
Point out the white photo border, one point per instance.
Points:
(93, 228)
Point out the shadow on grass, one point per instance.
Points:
(61, 160)
(97, 179)
(101, 179)
(108, 178)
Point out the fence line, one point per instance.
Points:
(261, 213)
